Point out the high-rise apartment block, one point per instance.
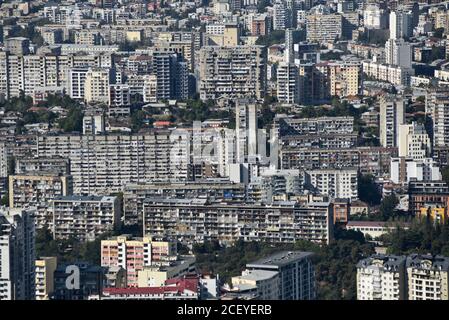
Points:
(96, 86)
(36, 190)
(17, 255)
(324, 27)
(197, 220)
(296, 273)
(392, 115)
(288, 85)
(84, 217)
(401, 24)
(134, 255)
(232, 72)
(398, 53)
(414, 142)
(115, 160)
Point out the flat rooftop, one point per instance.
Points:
(280, 259)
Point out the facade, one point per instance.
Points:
(246, 131)
(116, 160)
(392, 115)
(45, 268)
(344, 79)
(36, 191)
(427, 195)
(440, 119)
(17, 255)
(134, 195)
(374, 17)
(313, 158)
(296, 274)
(84, 217)
(414, 142)
(398, 53)
(197, 220)
(382, 277)
(315, 126)
(96, 86)
(266, 283)
(340, 183)
(427, 277)
(246, 77)
(400, 24)
(134, 255)
(403, 170)
(396, 75)
(324, 27)
(288, 84)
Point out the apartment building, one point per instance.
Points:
(172, 76)
(27, 166)
(296, 274)
(427, 277)
(116, 160)
(198, 220)
(87, 37)
(403, 170)
(392, 115)
(414, 142)
(260, 25)
(17, 254)
(396, 75)
(382, 277)
(45, 268)
(288, 85)
(344, 79)
(96, 86)
(375, 17)
(341, 183)
(17, 45)
(84, 217)
(232, 72)
(36, 190)
(425, 195)
(265, 284)
(153, 276)
(401, 24)
(119, 95)
(324, 27)
(134, 195)
(28, 72)
(314, 158)
(321, 141)
(376, 160)
(440, 119)
(314, 126)
(134, 254)
(398, 53)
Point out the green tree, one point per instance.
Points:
(387, 207)
(368, 190)
(275, 37)
(73, 121)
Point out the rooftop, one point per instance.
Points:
(280, 259)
